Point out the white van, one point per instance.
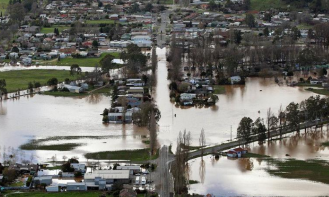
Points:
(143, 180)
(137, 180)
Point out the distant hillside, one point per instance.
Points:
(267, 4)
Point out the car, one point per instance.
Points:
(143, 180)
(137, 180)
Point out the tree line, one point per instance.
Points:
(313, 110)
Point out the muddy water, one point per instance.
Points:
(44, 116)
(246, 177)
(251, 100)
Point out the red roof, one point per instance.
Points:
(231, 152)
(238, 149)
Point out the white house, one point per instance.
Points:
(187, 96)
(78, 167)
(235, 79)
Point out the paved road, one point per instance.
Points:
(165, 183)
(161, 37)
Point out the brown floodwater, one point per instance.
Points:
(252, 100)
(41, 116)
(246, 177)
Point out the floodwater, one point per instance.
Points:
(78, 120)
(42, 116)
(246, 177)
(252, 100)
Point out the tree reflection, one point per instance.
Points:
(202, 170)
(94, 98)
(3, 110)
(245, 164)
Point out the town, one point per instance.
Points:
(164, 98)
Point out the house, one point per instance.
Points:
(132, 169)
(52, 188)
(75, 89)
(27, 61)
(78, 167)
(237, 152)
(187, 96)
(315, 81)
(106, 178)
(135, 90)
(235, 79)
(47, 180)
(128, 193)
(76, 186)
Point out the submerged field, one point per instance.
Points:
(313, 170)
(19, 79)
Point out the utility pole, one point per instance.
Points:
(231, 133)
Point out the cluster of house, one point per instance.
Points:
(134, 93)
(73, 87)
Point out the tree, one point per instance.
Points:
(148, 7)
(66, 167)
(266, 32)
(213, 6)
(142, 117)
(15, 49)
(16, 12)
(202, 141)
(3, 89)
(237, 37)
(250, 20)
(267, 17)
(9, 174)
(95, 44)
(259, 129)
(134, 8)
(293, 115)
(107, 63)
(244, 130)
(52, 82)
(75, 68)
(153, 133)
(30, 87)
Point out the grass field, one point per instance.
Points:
(319, 91)
(47, 30)
(3, 6)
(261, 5)
(104, 21)
(19, 79)
(58, 147)
(133, 155)
(219, 89)
(82, 62)
(63, 94)
(314, 170)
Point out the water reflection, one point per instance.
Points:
(202, 170)
(246, 177)
(300, 146)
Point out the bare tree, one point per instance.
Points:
(153, 133)
(202, 141)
